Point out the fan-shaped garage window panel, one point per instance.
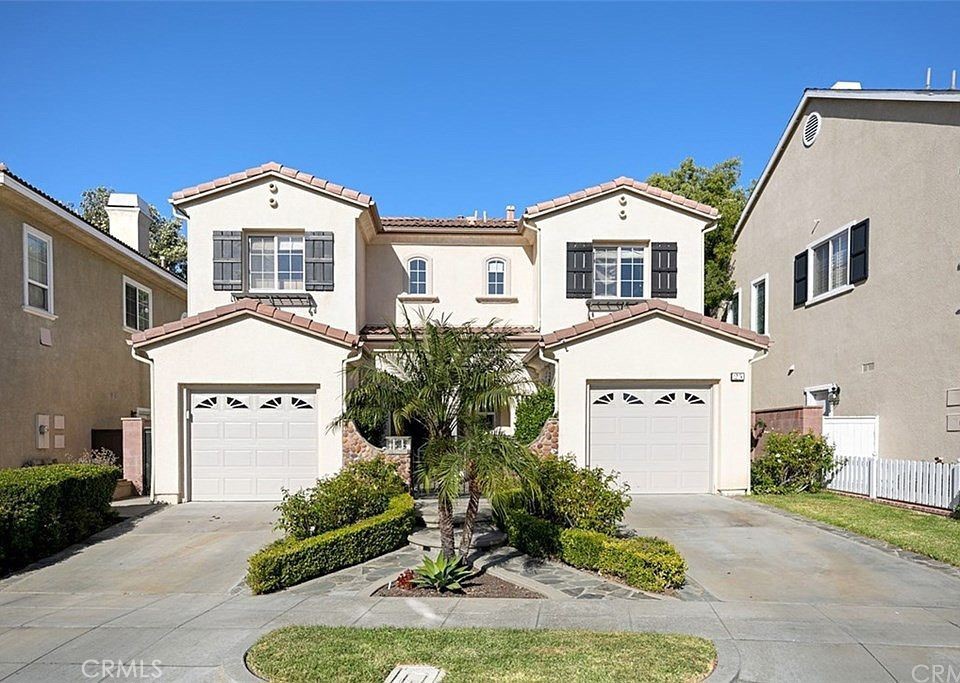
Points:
(666, 399)
(271, 404)
(811, 128)
(300, 404)
(693, 399)
(207, 403)
(235, 403)
(604, 399)
(632, 399)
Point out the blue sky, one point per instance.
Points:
(434, 109)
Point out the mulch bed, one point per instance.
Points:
(481, 586)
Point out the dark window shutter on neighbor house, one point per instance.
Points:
(800, 279)
(579, 270)
(227, 271)
(318, 261)
(664, 270)
(859, 246)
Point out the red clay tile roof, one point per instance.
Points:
(417, 224)
(623, 181)
(273, 167)
(649, 307)
(245, 307)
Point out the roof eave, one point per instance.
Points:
(537, 215)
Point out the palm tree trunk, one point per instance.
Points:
(469, 518)
(445, 519)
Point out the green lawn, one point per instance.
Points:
(931, 535)
(324, 653)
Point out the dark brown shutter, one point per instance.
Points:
(227, 270)
(664, 270)
(800, 279)
(859, 246)
(579, 270)
(318, 261)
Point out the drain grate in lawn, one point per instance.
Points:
(358, 655)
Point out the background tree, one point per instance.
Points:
(719, 187)
(168, 246)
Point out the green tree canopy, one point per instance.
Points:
(168, 246)
(719, 187)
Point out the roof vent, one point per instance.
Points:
(811, 128)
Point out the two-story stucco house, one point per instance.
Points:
(848, 257)
(292, 278)
(70, 296)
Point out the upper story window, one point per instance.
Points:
(618, 272)
(733, 310)
(830, 262)
(275, 263)
(496, 277)
(417, 275)
(37, 270)
(759, 307)
(137, 305)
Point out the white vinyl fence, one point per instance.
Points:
(909, 481)
(853, 436)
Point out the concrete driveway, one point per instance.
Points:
(805, 604)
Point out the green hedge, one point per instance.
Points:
(45, 509)
(287, 562)
(651, 564)
(532, 413)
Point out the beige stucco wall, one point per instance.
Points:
(87, 374)
(672, 353)
(896, 164)
(599, 220)
(247, 208)
(244, 352)
(457, 269)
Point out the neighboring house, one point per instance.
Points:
(293, 277)
(70, 296)
(848, 255)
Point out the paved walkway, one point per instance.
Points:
(771, 586)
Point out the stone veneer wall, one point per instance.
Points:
(548, 441)
(356, 448)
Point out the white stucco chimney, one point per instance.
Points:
(129, 218)
(511, 212)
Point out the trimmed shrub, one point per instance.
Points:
(651, 564)
(290, 561)
(793, 463)
(532, 413)
(45, 509)
(580, 497)
(360, 490)
(535, 536)
(581, 548)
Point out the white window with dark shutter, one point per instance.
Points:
(618, 272)
(137, 306)
(760, 305)
(831, 265)
(275, 263)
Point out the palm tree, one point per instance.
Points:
(444, 377)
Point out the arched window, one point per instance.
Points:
(417, 273)
(496, 277)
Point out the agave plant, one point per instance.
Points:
(441, 574)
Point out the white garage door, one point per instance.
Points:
(247, 446)
(657, 439)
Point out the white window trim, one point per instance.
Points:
(407, 295)
(276, 271)
(810, 401)
(765, 278)
(123, 299)
(737, 296)
(486, 283)
(29, 230)
(620, 246)
(836, 291)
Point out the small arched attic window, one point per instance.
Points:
(496, 272)
(417, 275)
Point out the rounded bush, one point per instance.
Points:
(793, 463)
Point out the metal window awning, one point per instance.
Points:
(280, 300)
